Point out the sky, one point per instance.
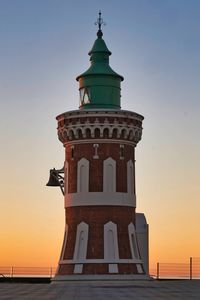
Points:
(44, 45)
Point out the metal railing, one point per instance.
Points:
(27, 271)
(188, 270)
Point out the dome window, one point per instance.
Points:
(84, 96)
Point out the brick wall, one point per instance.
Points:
(105, 150)
(96, 217)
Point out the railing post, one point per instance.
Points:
(11, 271)
(190, 268)
(51, 272)
(158, 270)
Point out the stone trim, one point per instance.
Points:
(120, 125)
(100, 261)
(83, 176)
(109, 131)
(139, 269)
(96, 146)
(82, 228)
(111, 227)
(109, 175)
(64, 243)
(111, 250)
(100, 112)
(99, 141)
(80, 251)
(99, 198)
(133, 241)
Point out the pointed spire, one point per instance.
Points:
(99, 22)
(99, 86)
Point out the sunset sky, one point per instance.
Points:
(155, 45)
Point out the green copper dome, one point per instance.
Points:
(99, 86)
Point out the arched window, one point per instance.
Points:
(71, 134)
(109, 175)
(88, 133)
(83, 176)
(133, 241)
(106, 133)
(79, 134)
(131, 135)
(80, 251)
(123, 133)
(115, 130)
(97, 133)
(111, 251)
(130, 177)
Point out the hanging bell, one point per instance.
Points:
(53, 178)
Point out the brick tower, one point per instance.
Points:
(101, 238)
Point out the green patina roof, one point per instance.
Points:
(99, 46)
(99, 68)
(99, 57)
(101, 82)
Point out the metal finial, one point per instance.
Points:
(99, 22)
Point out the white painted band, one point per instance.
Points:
(100, 113)
(102, 198)
(100, 141)
(101, 261)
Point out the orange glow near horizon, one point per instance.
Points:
(37, 242)
(33, 222)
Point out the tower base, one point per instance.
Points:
(106, 277)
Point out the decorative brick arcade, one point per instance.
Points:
(101, 237)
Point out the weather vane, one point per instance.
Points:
(99, 21)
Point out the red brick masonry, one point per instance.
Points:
(96, 217)
(105, 151)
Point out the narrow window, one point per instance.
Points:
(84, 96)
(72, 152)
(130, 177)
(121, 151)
